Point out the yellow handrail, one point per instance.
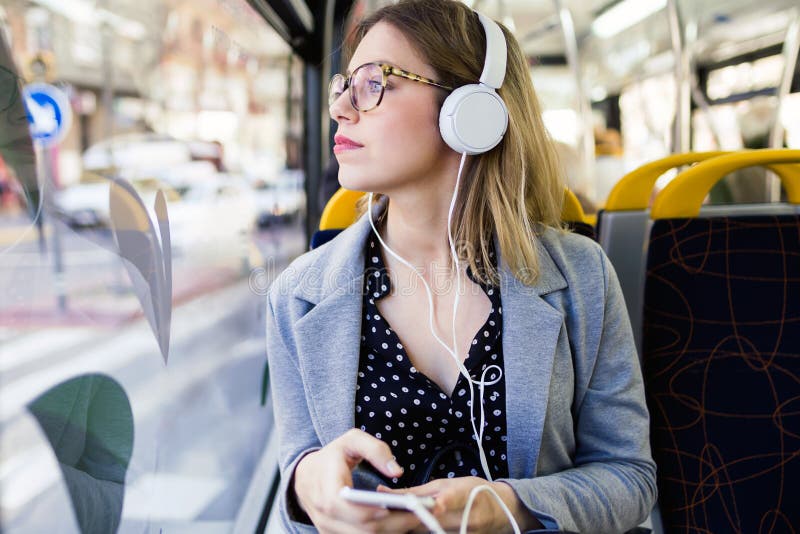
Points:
(633, 190)
(683, 196)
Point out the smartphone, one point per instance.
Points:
(392, 501)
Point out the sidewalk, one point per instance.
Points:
(97, 286)
(19, 229)
(105, 305)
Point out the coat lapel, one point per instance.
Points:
(329, 343)
(531, 328)
(329, 335)
(328, 347)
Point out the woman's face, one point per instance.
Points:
(400, 140)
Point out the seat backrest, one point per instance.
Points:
(721, 354)
(624, 223)
(340, 212)
(573, 215)
(622, 228)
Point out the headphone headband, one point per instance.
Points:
(474, 118)
(494, 66)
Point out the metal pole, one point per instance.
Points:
(44, 168)
(586, 133)
(698, 97)
(313, 148)
(44, 159)
(328, 69)
(791, 47)
(683, 90)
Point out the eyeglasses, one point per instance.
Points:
(367, 84)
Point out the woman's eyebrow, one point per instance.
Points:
(348, 72)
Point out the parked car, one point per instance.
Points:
(86, 204)
(214, 218)
(280, 202)
(135, 155)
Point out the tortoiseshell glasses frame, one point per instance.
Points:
(366, 90)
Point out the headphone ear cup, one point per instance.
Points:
(473, 119)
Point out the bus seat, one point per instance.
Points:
(340, 212)
(623, 224)
(720, 353)
(574, 217)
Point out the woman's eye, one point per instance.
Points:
(374, 86)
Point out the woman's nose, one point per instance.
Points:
(341, 109)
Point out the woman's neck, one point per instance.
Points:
(415, 226)
(416, 229)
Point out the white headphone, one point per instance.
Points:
(474, 118)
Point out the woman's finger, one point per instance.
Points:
(374, 520)
(356, 513)
(359, 445)
(431, 488)
(397, 522)
(329, 525)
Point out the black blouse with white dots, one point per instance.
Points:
(401, 406)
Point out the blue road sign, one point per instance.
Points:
(49, 113)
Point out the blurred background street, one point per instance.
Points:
(200, 100)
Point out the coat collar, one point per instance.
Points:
(342, 262)
(329, 339)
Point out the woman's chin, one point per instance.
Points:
(355, 181)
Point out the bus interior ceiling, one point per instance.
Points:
(583, 57)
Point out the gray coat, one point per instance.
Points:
(578, 427)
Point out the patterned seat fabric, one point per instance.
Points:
(721, 362)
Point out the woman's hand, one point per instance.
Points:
(320, 475)
(486, 514)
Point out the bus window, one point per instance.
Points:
(134, 268)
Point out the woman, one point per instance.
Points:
(359, 378)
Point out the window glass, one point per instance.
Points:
(136, 252)
(647, 109)
(745, 77)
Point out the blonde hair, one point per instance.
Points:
(514, 190)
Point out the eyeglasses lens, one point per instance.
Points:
(335, 88)
(367, 87)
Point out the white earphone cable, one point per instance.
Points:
(454, 255)
(471, 500)
(477, 432)
(424, 515)
(434, 526)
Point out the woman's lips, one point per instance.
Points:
(343, 144)
(344, 148)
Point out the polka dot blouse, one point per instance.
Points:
(428, 431)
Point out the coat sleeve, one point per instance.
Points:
(611, 486)
(296, 434)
